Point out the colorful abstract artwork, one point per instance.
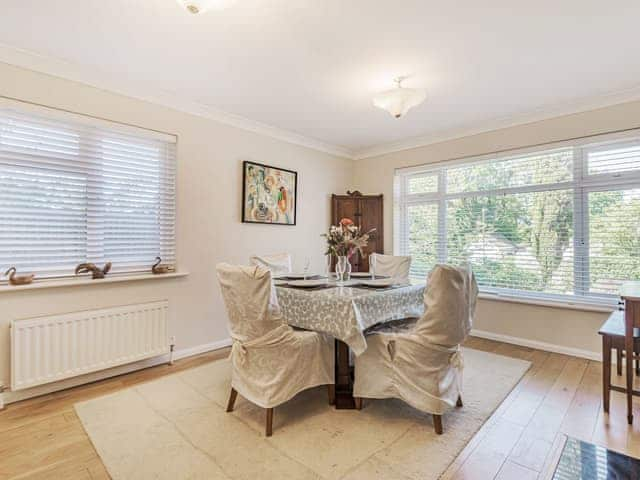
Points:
(268, 194)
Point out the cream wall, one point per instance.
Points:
(569, 329)
(209, 230)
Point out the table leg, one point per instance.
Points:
(619, 361)
(343, 377)
(628, 344)
(606, 372)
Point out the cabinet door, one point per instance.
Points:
(344, 207)
(370, 216)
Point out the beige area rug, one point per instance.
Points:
(176, 428)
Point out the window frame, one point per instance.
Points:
(582, 184)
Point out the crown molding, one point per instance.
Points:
(584, 105)
(93, 77)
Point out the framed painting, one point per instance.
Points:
(269, 194)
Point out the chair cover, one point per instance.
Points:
(393, 266)
(270, 361)
(422, 364)
(278, 264)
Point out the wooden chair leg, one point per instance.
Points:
(269, 426)
(606, 372)
(619, 360)
(232, 400)
(331, 390)
(459, 401)
(358, 402)
(437, 423)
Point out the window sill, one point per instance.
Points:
(583, 306)
(85, 281)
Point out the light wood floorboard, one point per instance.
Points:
(42, 438)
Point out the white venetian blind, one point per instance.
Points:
(612, 216)
(73, 189)
(555, 222)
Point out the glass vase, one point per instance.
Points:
(343, 269)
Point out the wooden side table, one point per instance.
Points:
(613, 337)
(630, 294)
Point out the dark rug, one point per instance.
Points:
(585, 461)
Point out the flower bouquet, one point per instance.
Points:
(343, 240)
(346, 238)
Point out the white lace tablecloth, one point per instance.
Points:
(345, 312)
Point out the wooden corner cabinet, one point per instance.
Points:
(366, 212)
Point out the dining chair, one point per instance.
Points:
(420, 361)
(270, 361)
(278, 264)
(394, 266)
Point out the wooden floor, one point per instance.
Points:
(43, 437)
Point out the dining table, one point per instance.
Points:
(345, 311)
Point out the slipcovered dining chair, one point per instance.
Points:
(270, 361)
(394, 266)
(420, 361)
(278, 264)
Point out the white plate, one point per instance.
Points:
(296, 275)
(360, 275)
(378, 282)
(308, 283)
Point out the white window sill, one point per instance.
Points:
(87, 280)
(583, 306)
(544, 302)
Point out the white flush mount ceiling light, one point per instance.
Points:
(200, 6)
(399, 100)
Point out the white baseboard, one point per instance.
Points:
(547, 347)
(10, 397)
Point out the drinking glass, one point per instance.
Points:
(372, 266)
(327, 266)
(307, 263)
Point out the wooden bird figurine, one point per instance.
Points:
(95, 271)
(157, 268)
(19, 279)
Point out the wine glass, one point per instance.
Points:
(372, 265)
(307, 263)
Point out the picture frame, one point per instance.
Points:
(269, 194)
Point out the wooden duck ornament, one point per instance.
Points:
(158, 269)
(14, 279)
(96, 272)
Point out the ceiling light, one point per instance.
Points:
(399, 100)
(200, 6)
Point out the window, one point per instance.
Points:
(74, 189)
(557, 223)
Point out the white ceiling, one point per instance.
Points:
(310, 67)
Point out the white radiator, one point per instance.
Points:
(48, 349)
